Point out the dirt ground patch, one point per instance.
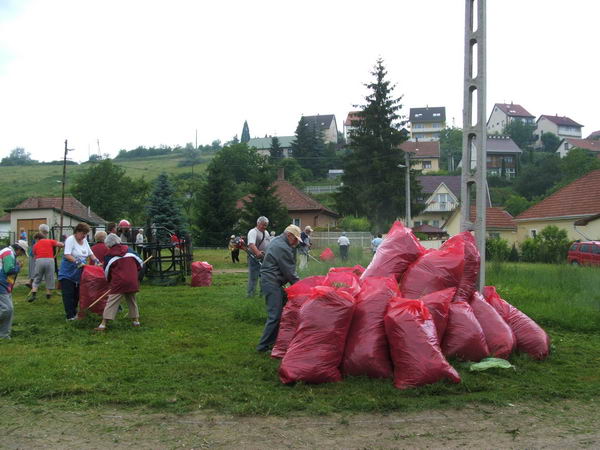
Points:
(559, 425)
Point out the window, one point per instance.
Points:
(426, 164)
(573, 247)
(418, 125)
(296, 222)
(443, 198)
(586, 248)
(417, 223)
(596, 249)
(494, 235)
(533, 233)
(435, 223)
(508, 159)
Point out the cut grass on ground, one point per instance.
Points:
(195, 350)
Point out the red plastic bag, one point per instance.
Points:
(399, 249)
(358, 270)
(466, 286)
(499, 337)
(367, 351)
(92, 286)
(327, 255)
(464, 337)
(201, 274)
(414, 347)
(315, 353)
(346, 281)
(305, 285)
(531, 338)
(435, 270)
(438, 304)
(297, 295)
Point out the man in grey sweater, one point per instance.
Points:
(278, 268)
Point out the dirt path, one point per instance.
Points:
(564, 425)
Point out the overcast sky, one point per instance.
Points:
(130, 73)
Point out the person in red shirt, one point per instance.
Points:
(99, 249)
(43, 252)
(121, 268)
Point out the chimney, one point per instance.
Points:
(280, 174)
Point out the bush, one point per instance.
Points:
(355, 224)
(550, 246)
(497, 249)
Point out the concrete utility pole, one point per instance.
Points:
(62, 200)
(474, 165)
(407, 193)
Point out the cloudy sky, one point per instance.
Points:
(144, 72)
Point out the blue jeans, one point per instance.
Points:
(253, 275)
(70, 297)
(275, 299)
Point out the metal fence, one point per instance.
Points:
(324, 239)
(322, 189)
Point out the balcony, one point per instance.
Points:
(441, 207)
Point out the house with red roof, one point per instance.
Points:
(303, 209)
(351, 123)
(504, 113)
(575, 208)
(499, 223)
(562, 126)
(34, 211)
(591, 145)
(441, 196)
(424, 155)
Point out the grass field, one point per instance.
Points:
(195, 350)
(20, 182)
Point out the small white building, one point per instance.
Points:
(504, 113)
(561, 126)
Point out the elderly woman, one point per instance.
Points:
(121, 270)
(9, 268)
(43, 250)
(99, 249)
(77, 253)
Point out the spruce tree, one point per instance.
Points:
(373, 184)
(216, 213)
(276, 151)
(309, 149)
(245, 133)
(264, 202)
(163, 210)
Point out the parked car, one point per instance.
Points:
(584, 253)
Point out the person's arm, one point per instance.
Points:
(10, 265)
(287, 265)
(92, 256)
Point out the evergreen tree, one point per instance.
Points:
(373, 182)
(163, 210)
(245, 133)
(263, 202)
(216, 213)
(276, 151)
(309, 149)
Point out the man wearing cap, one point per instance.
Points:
(278, 269)
(9, 268)
(304, 246)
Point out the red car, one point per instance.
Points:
(584, 253)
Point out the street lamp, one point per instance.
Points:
(407, 188)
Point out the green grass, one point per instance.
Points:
(195, 350)
(20, 182)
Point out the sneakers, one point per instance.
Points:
(136, 324)
(100, 329)
(31, 297)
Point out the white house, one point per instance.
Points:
(561, 126)
(504, 113)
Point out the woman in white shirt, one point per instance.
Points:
(77, 253)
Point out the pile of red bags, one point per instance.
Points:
(343, 325)
(92, 286)
(201, 274)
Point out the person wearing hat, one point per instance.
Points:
(304, 246)
(278, 268)
(234, 249)
(9, 268)
(344, 244)
(139, 238)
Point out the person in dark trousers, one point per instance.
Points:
(258, 242)
(234, 249)
(278, 269)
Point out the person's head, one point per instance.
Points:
(308, 229)
(292, 234)
(111, 227)
(44, 229)
(112, 240)
(379, 235)
(272, 233)
(141, 231)
(37, 236)
(81, 230)
(262, 223)
(124, 224)
(20, 247)
(100, 236)
(343, 233)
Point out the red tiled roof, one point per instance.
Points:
(5, 218)
(73, 207)
(587, 144)
(580, 198)
(428, 229)
(352, 116)
(496, 218)
(513, 110)
(293, 199)
(560, 120)
(594, 135)
(421, 149)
